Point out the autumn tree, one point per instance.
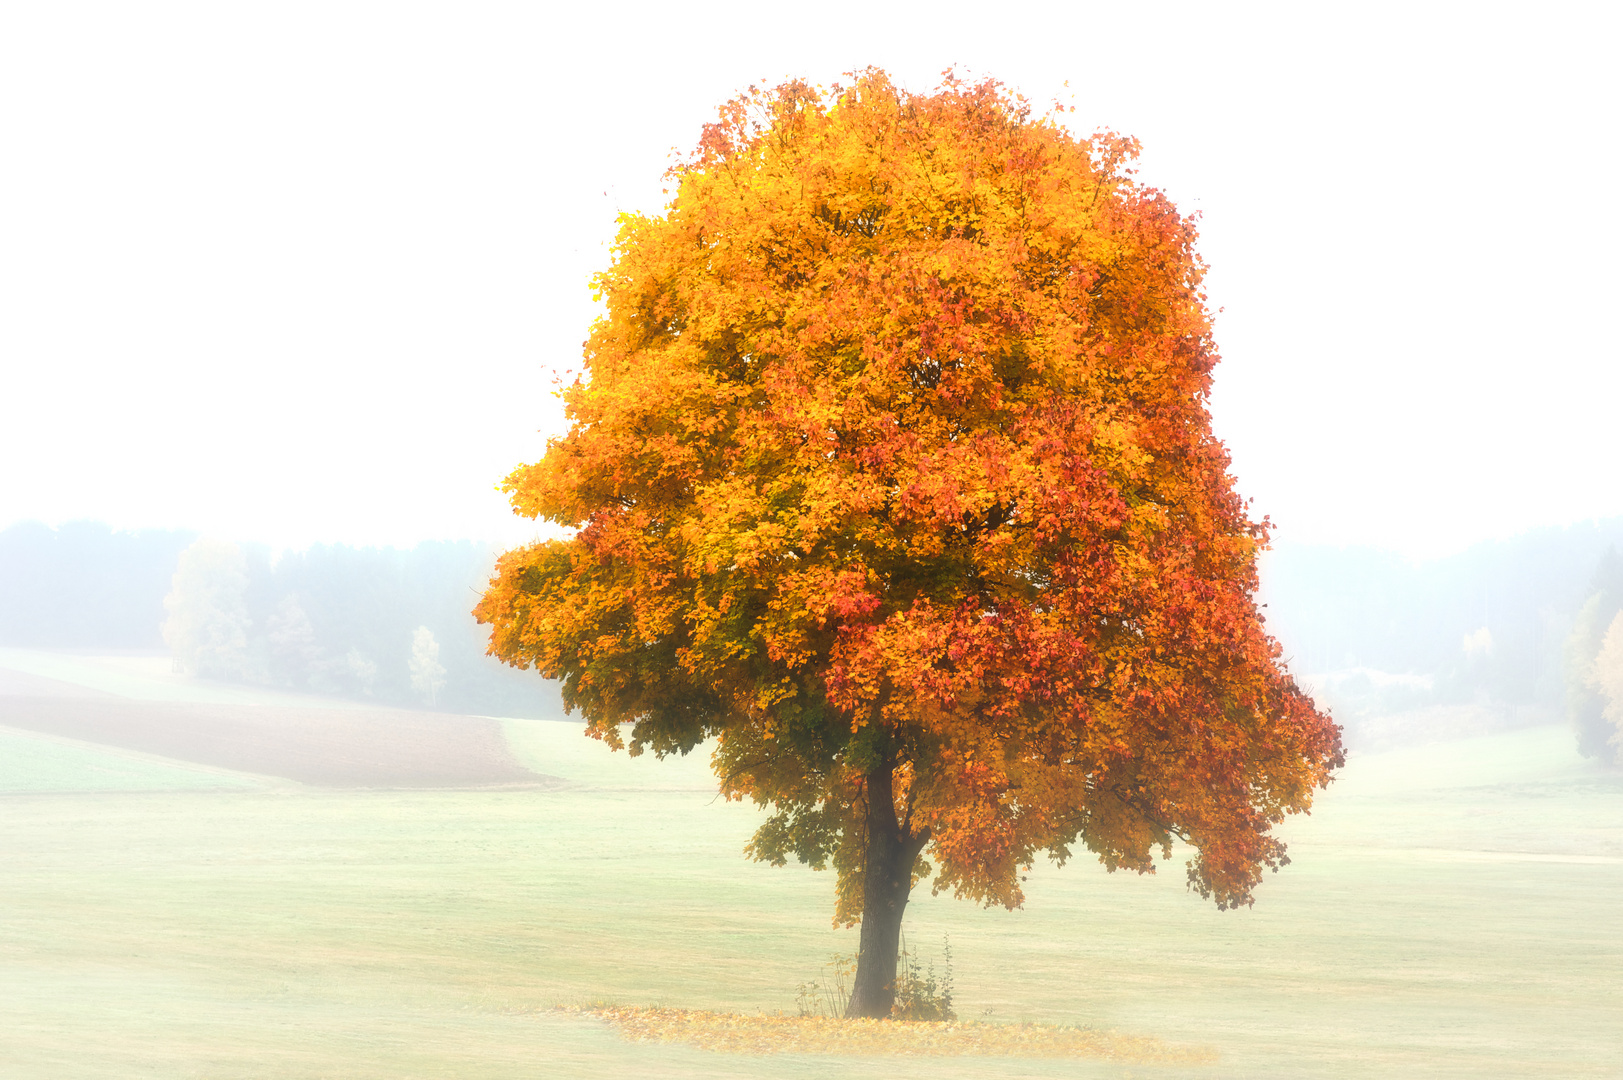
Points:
(891, 472)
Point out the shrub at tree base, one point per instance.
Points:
(893, 475)
(921, 994)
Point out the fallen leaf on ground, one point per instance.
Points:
(744, 1033)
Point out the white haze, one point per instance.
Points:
(298, 272)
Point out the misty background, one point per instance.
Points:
(304, 273)
(306, 277)
(370, 624)
(1504, 635)
(285, 292)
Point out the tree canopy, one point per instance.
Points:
(892, 473)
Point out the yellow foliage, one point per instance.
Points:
(893, 454)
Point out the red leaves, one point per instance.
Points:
(894, 445)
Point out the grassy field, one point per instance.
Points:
(1451, 911)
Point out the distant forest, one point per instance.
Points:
(84, 586)
(370, 623)
(1505, 634)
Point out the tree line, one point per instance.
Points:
(378, 624)
(85, 586)
(1594, 664)
(1517, 624)
(1511, 627)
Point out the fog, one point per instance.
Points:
(260, 805)
(1504, 635)
(302, 275)
(285, 292)
(308, 277)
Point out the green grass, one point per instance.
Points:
(1451, 911)
(32, 763)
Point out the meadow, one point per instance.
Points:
(1451, 911)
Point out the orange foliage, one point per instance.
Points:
(894, 449)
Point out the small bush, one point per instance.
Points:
(827, 995)
(920, 994)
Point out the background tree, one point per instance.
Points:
(1606, 678)
(294, 656)
(363, 607)
(207, 628)
(427, 673)
(894, 475)
(1586, 699)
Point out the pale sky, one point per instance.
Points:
(298, 272)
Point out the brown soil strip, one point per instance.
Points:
(387, 748)
(739, 1033)
(21, 684)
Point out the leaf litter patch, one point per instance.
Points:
(745, 1033)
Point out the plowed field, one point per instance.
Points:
(327, 747)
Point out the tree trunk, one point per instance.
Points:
(887, 880)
